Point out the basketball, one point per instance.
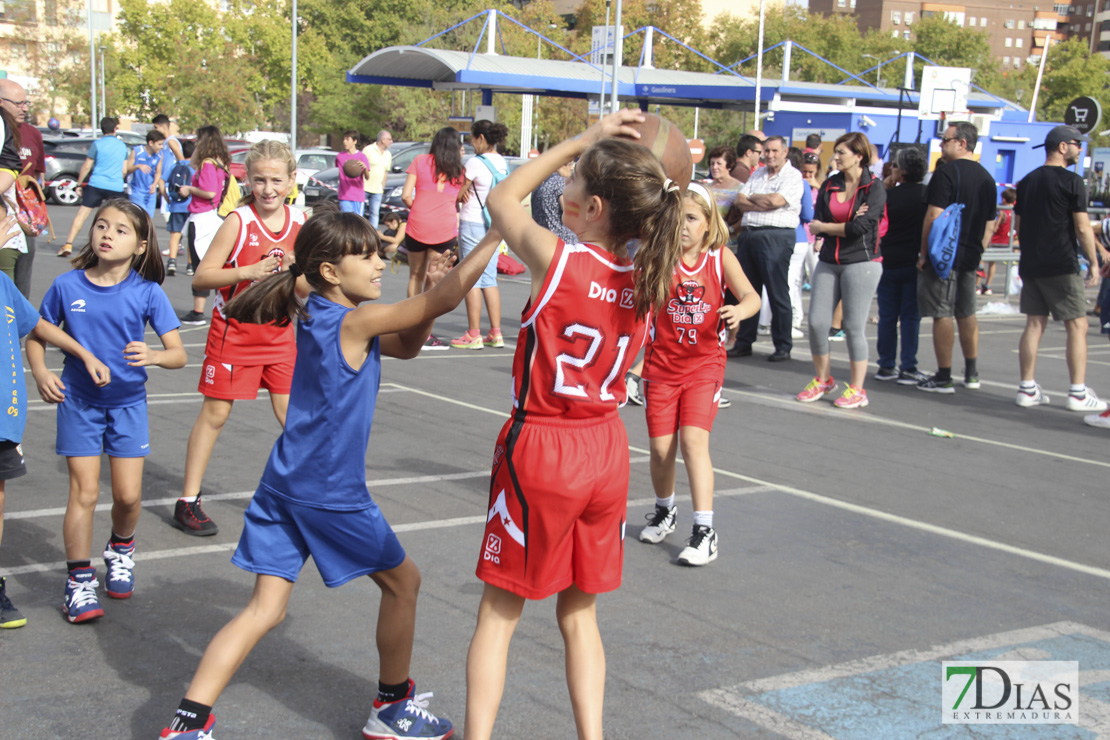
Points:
(669, 146)
(353, 168)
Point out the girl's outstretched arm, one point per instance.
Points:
(405, 326)
(534, 244)
(139, 354)
(741, 287)
(47, 332)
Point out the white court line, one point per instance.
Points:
(161, 399)
(864, 510)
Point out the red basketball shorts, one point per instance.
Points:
(241, 382)
(669, 407)
(558, 499)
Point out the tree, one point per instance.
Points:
(948, 45)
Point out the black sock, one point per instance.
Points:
(125, 541)
(72, 565)
(390, 693)
(944, 373)
(190, 715)
(970, 369)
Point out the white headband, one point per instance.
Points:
(698, 188)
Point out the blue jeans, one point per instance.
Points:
(373, 206)
(897, 296)
(351, 206)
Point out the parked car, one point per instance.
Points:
(311, 161)
(64, 158)
(130, 138)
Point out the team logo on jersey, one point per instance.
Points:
(280, 254)
(492, 551)
(626, 298)
(688, 307)
(500, 509)
(210, 374)
(78, 306)
(691, 292)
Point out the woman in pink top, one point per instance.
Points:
(210, 160)
(430, 191)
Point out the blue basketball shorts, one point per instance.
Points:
(89, 431)
(279, 535)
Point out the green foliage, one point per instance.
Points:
(1071, 71)
(950, 45)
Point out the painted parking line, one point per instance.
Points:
(899, 695)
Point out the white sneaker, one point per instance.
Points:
(660, 523)
(701, 548)
(1027, 398)
(1087, 402)
(797, 333)
(632, 386)
(1098, 420)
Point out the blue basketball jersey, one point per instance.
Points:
(320, 458)
(19, 319)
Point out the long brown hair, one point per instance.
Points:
(327, 237)
(210, 145)
(149, 263)
(643, 204)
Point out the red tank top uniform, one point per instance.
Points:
(687, 336)
(235, 343)
(559, 487)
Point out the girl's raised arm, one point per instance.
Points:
(534, 244)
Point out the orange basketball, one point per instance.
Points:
(353, 168)
(667, 142)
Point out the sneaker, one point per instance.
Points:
(723, 403)
(194, 318)
(632, 386)
(986, 291)
(886, 373)
(911, 377)
(836, 335)
(120, 581)
(81, 603)
(660, 523)
(816, 389)
(495, 339)
(189, 269)
(205, 733)
(171, 267)
(468, 341)
(180, 251)
(1095, 420)
(764, 330)
(852, 398)
(932, 385)
(408, 717)
(191, 519)
(10, 617)
(796, 333)
(1087, 402)
(807, 287)
(971, 382)
(166, 252)
(701, 548)
(434, 343)
(1034, 397)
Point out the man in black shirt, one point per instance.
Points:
(960, 180)
(1051, 219)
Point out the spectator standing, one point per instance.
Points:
(905, 207)
(547, 204)
(813, 144)
(103, 166)
(771, 201)
(172, 153)
(749, 153)
(14, 99)
(380, 163)
(1051, 218)
(352, 190)
(960, 180)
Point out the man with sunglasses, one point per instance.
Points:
(1052, 222)
(749, 153)
(960, 180)
(32, 155)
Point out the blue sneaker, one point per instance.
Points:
(81, 603)
(120, 582)
(205, 733)
(406, 718)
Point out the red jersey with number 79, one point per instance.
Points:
(578, 339)
(687, 336)
(238, 343)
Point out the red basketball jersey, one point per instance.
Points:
(579, 338)
(687, 335)
(237, 343)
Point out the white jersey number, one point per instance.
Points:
(564, 359)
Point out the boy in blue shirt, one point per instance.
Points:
(144, 168)
(179, 209)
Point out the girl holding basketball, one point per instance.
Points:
(684, 369)
(241, 358)
(106, 303)
(312, 499)
(560, 465)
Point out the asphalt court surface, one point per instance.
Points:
(857, 553)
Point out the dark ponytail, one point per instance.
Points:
(327, 237)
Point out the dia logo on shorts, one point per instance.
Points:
(210, 374)
(493, 549)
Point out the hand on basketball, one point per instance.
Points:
(439, 264)
(731, 315)
(51, 387)
(99, 372)
(139, 354)
(616, 124)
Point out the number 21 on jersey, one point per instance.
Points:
(577, 374)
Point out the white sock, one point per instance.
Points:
(189, 499)
(1079, 390)
(1028, 385)
(703, 519)
(665, 503)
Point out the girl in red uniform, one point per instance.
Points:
(560, 466)
(684, 369)
(240, 358)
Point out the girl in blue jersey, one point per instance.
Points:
(106, 303)
(312, 499)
